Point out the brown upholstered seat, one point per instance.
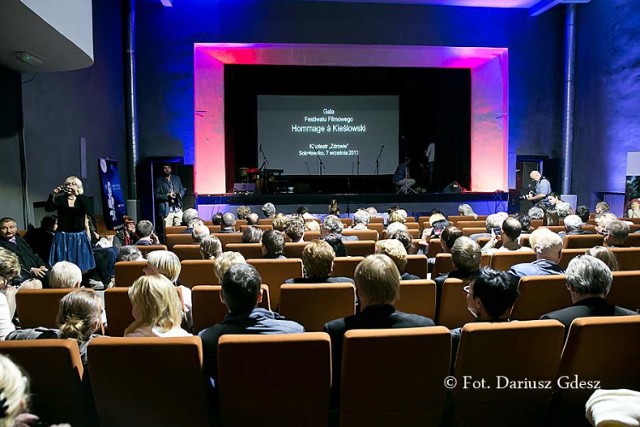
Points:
(118, 308)
(503, 261)
(581, 240)
(453, 312)
(293, 369)
(248, 250)
(417, 297)
(39, 307)
(568, 255)
(275, 272)
(313, 305)
(540, 295)
(127, 272)
(625, 289)
(498, 352)
(198, 272)
(294, 249)
(418, 265)
(187, 251)
(628, 258)
(360, 247)
(402, 384)
(149, 381)
(226, 238)
(55, 372)
(178, 239)
(362, 234)
(443, 264)
(345, 266)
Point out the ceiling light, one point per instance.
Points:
(28, 58)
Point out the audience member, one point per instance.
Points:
(605, 255)
(395, 227)
(216, 219)
(398, 254)
(361, 219)
(65, 275)
(40, 239)
(335, 241)
(633, 211)
(616, 232)
(253, 219)
(130, 253)
(588, 282)
(304, 211)
(295, 229)
(378, 288)
(317, 260)
(31, 265)
(548, 248)
(536, 212)
(493, 223)
(273, 244)
(398, 215)
(280, 222)
(563, 209)
(601, 208)
(573, 226)
(188, 218)
(9, 270)
(144, 230)
(127, 235)
(525, 222)
(448, 237)
(583, 212)
(466, 210)
(225, 261)
(373, 212)
(405, 238)
(242, 212)
(510, 233)
(199, 232)
(333, 225)
(228, 223)
(269, 210)
(167, 264)
(252, 234)
(603, 220)
(241, 293)
(210, 247)
(157, 311)
(466, 256)
(311, 225)
(334, 208)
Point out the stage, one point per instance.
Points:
(414, 204)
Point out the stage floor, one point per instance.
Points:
(414, 204)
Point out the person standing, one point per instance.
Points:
(430, 158)
(168, 196)
(543, 189)
(71, 241)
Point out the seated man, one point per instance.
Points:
(510, 232)
(317, 259)
(573, 226)
(241, 294)
(395, 250)
(493, 223)
(273, 244)
(187, 219)
(199, 232)
(583, 212)
(65, 274)
(253, 219)
(361, 219)
(378, 288)
(616, 232)
(333, 225)
(31, 265)
(144, 230)
(295, 229)
(588, 282)
(466, 256)
(402, 179)
(491, 295)
(548, 248)
(603, 220)
(228, 223)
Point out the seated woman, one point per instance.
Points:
(167, 264)
(210, 247)
(317, 259)
(252, 235)
(156, 308)
(130, 253)
(79, 318)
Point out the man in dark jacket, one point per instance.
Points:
(31, 265)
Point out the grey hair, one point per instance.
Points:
(617, 229)
(228, 219)
(587, 275)
(546, 241)
(189, 215)
(563, 209)
(65, 274)
(467, 210)
(333, 224)
(144, 228)
(535, 213)
(394, 227)
(466, 254)
(572, 222)
(495, 221)
(361, 217)
(130, 253)
(268, 209)
(373, 212)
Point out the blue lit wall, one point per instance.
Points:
(166, 37)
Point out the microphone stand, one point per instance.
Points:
(263, 179)
(320, 162)
(378, 161)
(265, 161)
(358, 162)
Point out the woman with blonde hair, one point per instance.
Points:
(14, 397)
(9, 269)
(210, 247)
(156, 308)
(167, 264)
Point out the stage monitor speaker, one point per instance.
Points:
(452, 188)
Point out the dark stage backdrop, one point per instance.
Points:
(434, 105)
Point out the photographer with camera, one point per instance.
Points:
(71, 241)
(168, 195)
(543, 189)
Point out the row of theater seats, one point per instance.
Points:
(505, 374)
(312, 305)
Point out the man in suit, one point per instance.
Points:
(588, 282)
(572, 226)
(168, 196)
(378, 288)
(615, 233)
(548, 248)
(31, 265)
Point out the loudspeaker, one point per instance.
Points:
(452, 188)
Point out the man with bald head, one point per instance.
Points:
(548, 248)
(543, 188)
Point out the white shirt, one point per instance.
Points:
(148, 331)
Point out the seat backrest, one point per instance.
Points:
(248, 250)
(412, 225)
(402, 384)
(178, 239)
(150, 248)
(294, 249)
(129, 393)
(346, 222)
(275, 272)
(468, 231)
(435, 248)
(498, 352)
(581, 240)
(377, 226)
(454, 219)
(602, 349)
(554, 228)
(540, 295)
(503, 261)
(535, 223)
(187, 251)
(118, 308)
(174, 229)
(443, 264)
(228, 238)
(377, 220)
(313, 305)
(417, 265)
(207, 309)
(633, 240)
(625, 289)
(127, 272)
(55, 372)
(628, 258)
(422, 220)
(346, 266)
(39, 307)
(414, 233)
(472, 224)
(263, 227)
(198, 272)
(362, 234)
(417, 297)
(310, 235)
(568, 255)
(294, 368)
(360, 247)
(240, 223)
(453, 312)
(265, 221)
